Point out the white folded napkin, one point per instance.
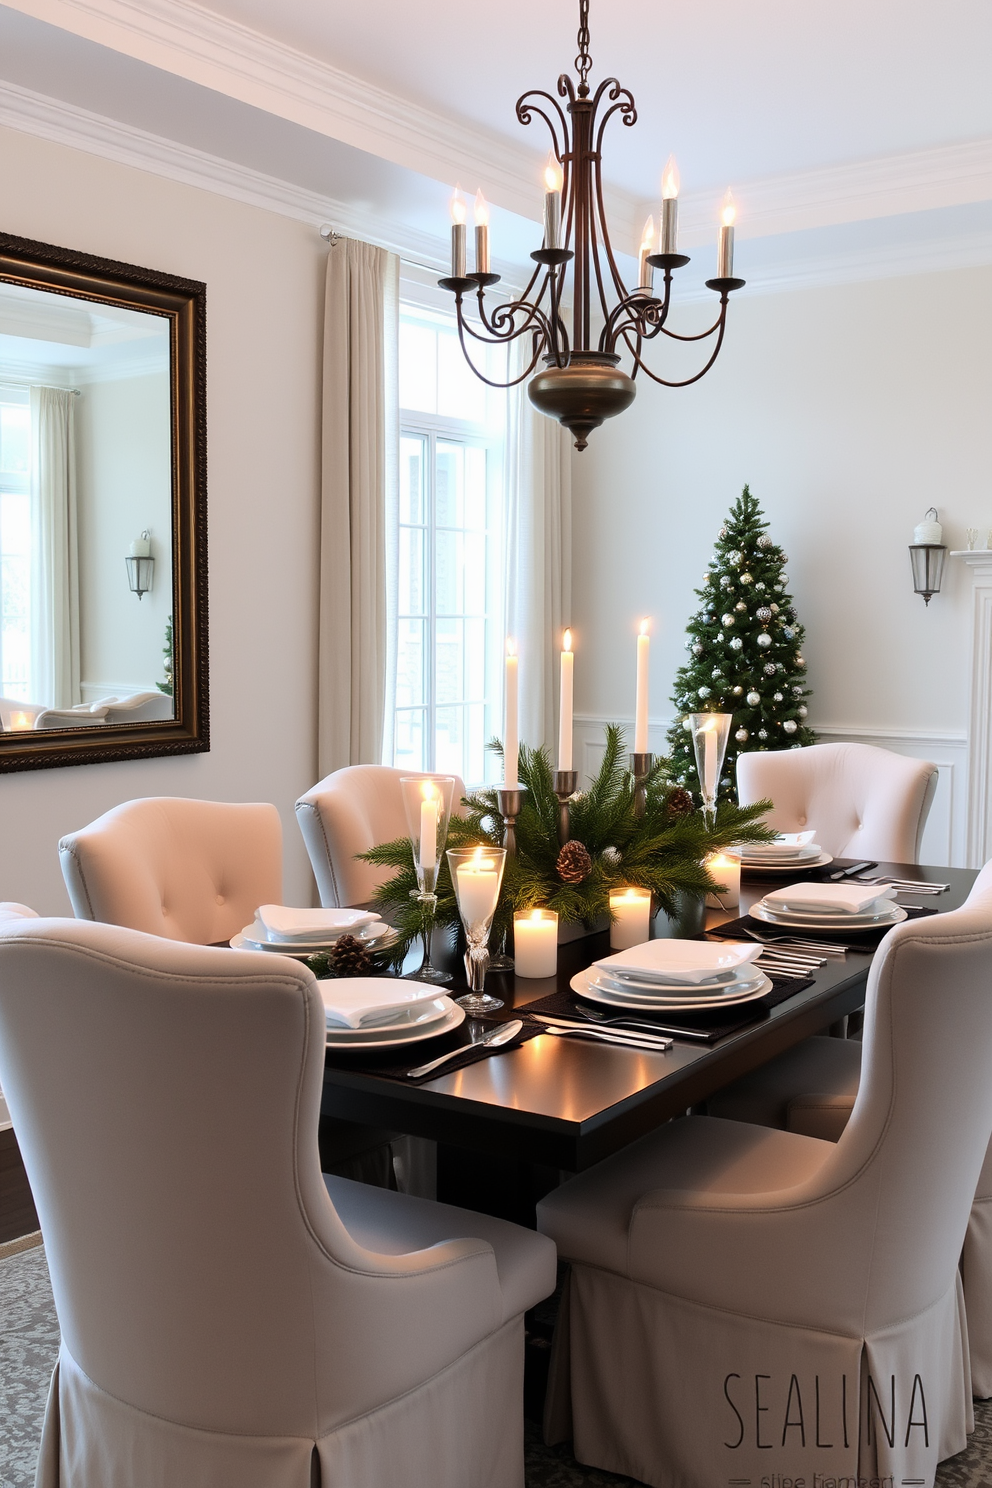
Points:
(284, 923)
(828, 898)
(690, 961)
(786, 845)
(363, 1002)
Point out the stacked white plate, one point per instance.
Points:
(811, 906)
(301, 932)
(665, 975)
(790, 852)
(385, 1012)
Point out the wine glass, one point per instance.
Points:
(710, 732)
(477, 873)
(427, 800)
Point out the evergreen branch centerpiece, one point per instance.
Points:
(663, 850)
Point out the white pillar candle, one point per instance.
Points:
(645, 273)
(481, 234)
(478, 888)
(709, 758)
(725, 867)
(511, 739)
(458, 262)
(630, 918)
(553, 181)
(725, 247)
(641, 698)
(670, 207)
(141, 547)
(21, 721)
(535, 943)
(429, 810)
(565, 704)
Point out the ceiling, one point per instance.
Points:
(857, 138)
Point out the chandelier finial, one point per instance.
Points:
(583, 61)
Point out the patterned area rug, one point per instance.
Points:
(29, 1340)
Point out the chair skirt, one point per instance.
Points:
(679, 1395)
(463, 1426)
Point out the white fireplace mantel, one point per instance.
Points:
(979, 707)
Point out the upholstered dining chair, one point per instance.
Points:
(863, 802)
(188, 870)
(227, 1314)
(346, 813)
(811, 1089)
(746, 1301)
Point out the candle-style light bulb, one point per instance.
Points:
(725, 248)
(481, 233)
(554, 180)
(641, 694)
(670, 207)
(511, 739)
(645, 273)
(565, 703)
(458, 213)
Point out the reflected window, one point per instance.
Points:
(15, 544)
(448, 577)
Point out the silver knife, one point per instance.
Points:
(561, 1027)
(492, 1040)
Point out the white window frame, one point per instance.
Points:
(16, 485)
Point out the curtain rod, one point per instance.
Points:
(11, 382)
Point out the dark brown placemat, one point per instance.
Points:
(394, 1063)
(808, 875)
(700, 1027)
(861, 940)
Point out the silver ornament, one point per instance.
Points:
(727, 620)
(697, 648)
(764, 614)
(779, 588)
(778, 698)
(788, 632)
(738, 691)
(800, 662)
(759, 585)
(754, 699)
(770, 669)
(741, 736)
(716, 672)
(725, 582)
(687, 725)
(611, 855)
(704, 692)
(797, 689)
(736, 644)
(735, 557)
(764, 541)
(762, 733)
(783, 579)
(746, 579)
(719, 635)
(741, 607)
(790, 725)
(764, 640)
(802, 711)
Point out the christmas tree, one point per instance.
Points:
(745, 651)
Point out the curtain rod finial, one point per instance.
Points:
(329, 235)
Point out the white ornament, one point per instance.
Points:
(687, 725)
(798, 690)
(790, 725)
(697, 648)
(719, 635)
(778, 698)
(736, 644)
(783, 579)
(725, 582)
(611, 855)
(741, 607)
(704, 692)
(745, 579)
(735, 557)
(774, 609)
(770, 669)
(754, 698)
(706, 578)
(764, 639)
(802, 711)
(717, 672)
(727, 620)
(764, 541)
(759, 585)
(762, 733)
(738, 691)
(800, 662)
(741, 736)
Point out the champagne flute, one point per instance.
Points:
(710, 732)
(427, 800)
(477, 873)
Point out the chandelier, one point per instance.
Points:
(581, 384)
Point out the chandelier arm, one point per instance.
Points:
(594, 243)
(502, 312)
(647, 317)
(538, 343)
(686, 381)
(526, 109)
(703, 335)
(506, 315)
(621, 99)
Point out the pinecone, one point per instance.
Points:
(350, 958)
(574, 863)
(680, 803)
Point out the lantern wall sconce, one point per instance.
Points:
(927, 553)
(140, 565)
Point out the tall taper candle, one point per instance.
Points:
(641, 699)
(725, 248)
(511, 742)
(645, 273)
(481, 233)
(458, 263)
(553, 182)
(565, 704)
(670, 207)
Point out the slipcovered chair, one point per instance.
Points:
(140, 707)
(346, 813)
(811, 1089)
(188, 870)
(227, 1314)
(729, 1280)
(67, 718)
(863, 802)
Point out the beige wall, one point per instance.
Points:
(264, 291)
(849, 410)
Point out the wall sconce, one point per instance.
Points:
(140, 565)
(926, 554)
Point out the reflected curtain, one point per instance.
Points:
(359, 458)
(54, 550)
(539, 555)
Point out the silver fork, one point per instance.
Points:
(821, 947)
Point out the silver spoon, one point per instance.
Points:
(501, 1035)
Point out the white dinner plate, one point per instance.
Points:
(683, 998)
(796, 865)
(241, 942)
(691, 963)
(672, 990)
(451, 1020)
(585, 983)
(798, 921)
(403, 1026)
(367, 934)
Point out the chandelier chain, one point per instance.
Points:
(583, 61)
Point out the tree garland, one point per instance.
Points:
(661, 851)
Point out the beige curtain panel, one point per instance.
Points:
(55, 550)
(358, 464)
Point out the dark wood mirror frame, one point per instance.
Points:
(183, 302)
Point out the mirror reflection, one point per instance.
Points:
(86, 590)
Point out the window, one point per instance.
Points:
(15, 544)
(449, 563)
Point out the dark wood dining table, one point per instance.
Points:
(567, 1103)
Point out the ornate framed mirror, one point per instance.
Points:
(103, 531)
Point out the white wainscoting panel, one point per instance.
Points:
(945, 840)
